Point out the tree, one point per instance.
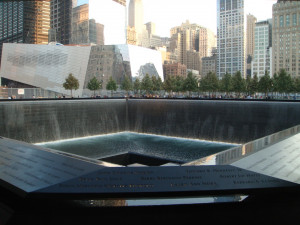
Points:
(111, 85)
(157, 83)
(254, 84)
(126, 85)
(296, 85)
(178, 84)
(147, 84)
(248, 85)
(209, 83)
(71, 83)
(190, 83)
(265, 84)
(137, 86)
(226, 83)
(94, 85)
(283, 82)
(169, 84)
(238, 83)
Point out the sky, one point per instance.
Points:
(169, 13)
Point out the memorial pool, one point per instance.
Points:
(174, 149)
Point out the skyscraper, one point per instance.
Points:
(24, 22)
(286, 37)
(230, 37)
(60, 20)
(136, 18)
(251, 20)
(192, 42)
(263, 49)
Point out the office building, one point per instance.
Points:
(209, 64)
(85, 30)
(286, 37)
(136, 19)
(230, 37)
(251, 20)
(61, 20)
(262, 58)
(191, 42)
(174, 69)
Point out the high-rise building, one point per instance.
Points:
(192, 42)
(84, 29)
(151, 28)
(131, 36)
(60, 20)
(136, 18)
(286, 37)
(209, 64)
(251, 20)
(262, 56)
(174, 69)
(230, 37)
(24, 22)
(80, 25)
(207, 42)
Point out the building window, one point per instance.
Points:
(295, 19)
(287, 20)
(281, 21)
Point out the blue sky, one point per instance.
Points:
(169, 13)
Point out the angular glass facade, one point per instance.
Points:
(47, 66)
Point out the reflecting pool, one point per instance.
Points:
(172, 148)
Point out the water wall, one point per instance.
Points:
(228, 121)
(42, 121)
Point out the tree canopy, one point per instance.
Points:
(127, 85)
(111, 85)
(190, 84)
(147, 84)
(71, 83)
(94, 85)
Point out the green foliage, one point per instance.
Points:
(178, 83)
(137, 85)
(254, 84)
(111, 85)
(296, 86)
(71, 83)
(94, 85)
(190, 83)
(157, 83)
(283, 82)
(147, 84)
(238, 83)
(169, 84)
(209, 83)
(265, 84)
(226, 83)
(127, 84)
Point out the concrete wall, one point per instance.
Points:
(228, 121)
